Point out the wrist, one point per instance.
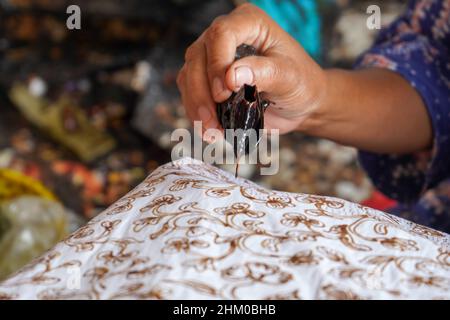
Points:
(322, 113)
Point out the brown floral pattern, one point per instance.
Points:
(193, 231)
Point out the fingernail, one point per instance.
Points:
(204, 114)
(243, 75)
(217, 86)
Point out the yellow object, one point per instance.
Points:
(14, 184)
(80, 136)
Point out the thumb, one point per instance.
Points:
(264, 72)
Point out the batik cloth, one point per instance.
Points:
(193, 231)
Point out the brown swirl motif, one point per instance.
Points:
(190, 230)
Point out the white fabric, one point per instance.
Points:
(192, 231)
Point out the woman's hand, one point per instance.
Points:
(283, 71)
(374, 109)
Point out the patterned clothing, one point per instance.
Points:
(417, 46)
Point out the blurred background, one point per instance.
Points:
(86, 114)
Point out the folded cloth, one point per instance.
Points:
(192, 231)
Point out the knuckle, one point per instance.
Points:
(193, 50)
(219, 19)
(189, 54)
(217, 29)
(252, 12)
(180, 77)
(246, 7)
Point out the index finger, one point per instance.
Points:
(243, 25)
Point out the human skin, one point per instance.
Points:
(372, 109)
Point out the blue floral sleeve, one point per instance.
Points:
(416, 46)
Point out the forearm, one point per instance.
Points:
(374, 110)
